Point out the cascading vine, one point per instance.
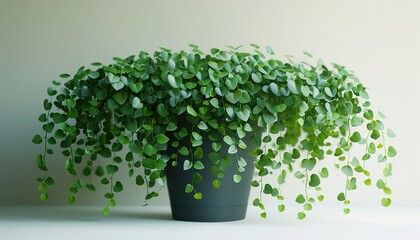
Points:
(310, 117)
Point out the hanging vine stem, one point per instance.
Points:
(149, 194)
(237, 164)
(71, 199)
(346, 199)
(197, 195)
(366, 149)
(43, 186)
(306, 181)
(140, 156)
(110, 194)
(41, 160)
(147, 189)
(44, 156)
(90, 185)
(280, 181)
(305, 200)
(261, 203)
(386, 189)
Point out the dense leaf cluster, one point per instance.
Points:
(305, 112)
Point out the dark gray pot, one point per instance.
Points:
(227, 203)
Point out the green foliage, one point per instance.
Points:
(301, 215)
(162, 106)
(237, 178)
(386, 202)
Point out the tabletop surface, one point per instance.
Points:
(155, 222)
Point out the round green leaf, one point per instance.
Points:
(391, 151)
(37, 139)
(227, 139)
(356, 121)
(386, 202)
(216, 183)
(64, 75)
(162, 138)
(233, 97)
(191, 111)
(136, 103)
(118, 187)
(281, 207)
(172, 81)
(202, 125)
(292, 87)
(380, 184)
(355, 137)
(307, 206)
(341, 197)
(300, 199)
(237, 178)
(269, 50)
(314, 181)
(323, 173)
(111, 169)
(184, 151)
(214, 102)
(301, 215)
(123, 139)
(105, 211)
(198, 195)
(162, 110)
(140, 180)
(198, 165)
(48, 127)
(117, 85)
(120, 97)
(189, 188)
(149, 150)
(390, 133)
(347, 170)
(187, 165)
(309, 164)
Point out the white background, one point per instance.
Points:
(379, 40)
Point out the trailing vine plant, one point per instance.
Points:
(311, 116)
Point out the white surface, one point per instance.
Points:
(155, 223)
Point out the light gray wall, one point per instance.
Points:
(380, 40)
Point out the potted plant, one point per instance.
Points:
(204, 122)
